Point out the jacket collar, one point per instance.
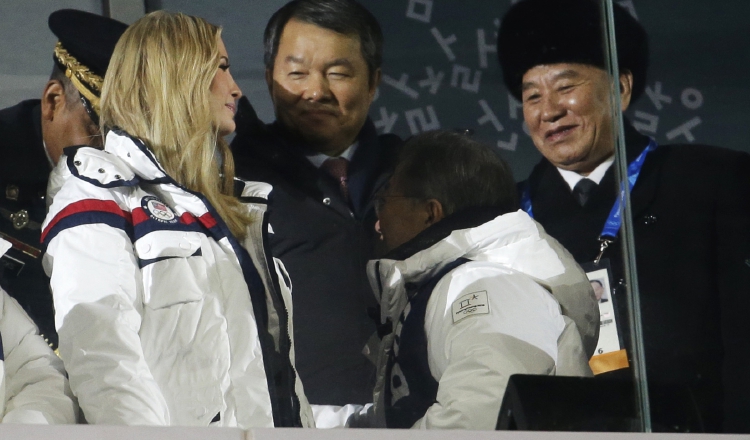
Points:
(634, 141)
(22, 148)
(548, 188)
(466, 219)
(274, 144)
(364, 169)
(139, 158)
(513, 241)
(645, 189)
(271, 147)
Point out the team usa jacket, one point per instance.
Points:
(164, 317)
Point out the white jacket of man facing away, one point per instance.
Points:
(471, 292)
(493, 314)
(33, 386)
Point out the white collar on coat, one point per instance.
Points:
(319, 158)
(138, 158)
(572, 178)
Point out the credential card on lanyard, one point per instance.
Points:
(599, 272)
(600, 277)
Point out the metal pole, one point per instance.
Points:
(643, 409)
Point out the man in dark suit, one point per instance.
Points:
(33, 134)
(690, 203)
(325, 160)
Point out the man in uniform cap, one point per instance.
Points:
(690, 203)
(33, 134)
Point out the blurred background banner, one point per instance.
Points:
(440, 65)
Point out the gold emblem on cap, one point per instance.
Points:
(82, 78)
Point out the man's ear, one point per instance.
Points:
(53, 99)
(626, 89)
(434, 210)
(375, 82)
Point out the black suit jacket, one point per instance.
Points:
(691, 216)
(24, 171)
(325, 244)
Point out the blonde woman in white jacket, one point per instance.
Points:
(168, 308)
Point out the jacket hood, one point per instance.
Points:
(513, 240)
(127, 162)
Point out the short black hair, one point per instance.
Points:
(346, 17)
(72, 95)
(456, 170)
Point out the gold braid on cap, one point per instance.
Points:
(85, 81)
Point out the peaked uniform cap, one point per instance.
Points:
(86, 42)
(537, 32)
(89, 38)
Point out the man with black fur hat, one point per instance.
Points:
(33, 134)
(690, 203)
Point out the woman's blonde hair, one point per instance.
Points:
(157, 89)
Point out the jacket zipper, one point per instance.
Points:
(284, 322)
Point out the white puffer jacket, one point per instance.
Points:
(33, 387)
(518, 306)
(153, 303)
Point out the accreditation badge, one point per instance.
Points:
(609, 354)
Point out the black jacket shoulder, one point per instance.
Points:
(22, 157)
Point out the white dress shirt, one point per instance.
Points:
(319, 158)
(572, 178)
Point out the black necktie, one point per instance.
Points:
(583, 189)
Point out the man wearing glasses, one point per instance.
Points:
(471, 291)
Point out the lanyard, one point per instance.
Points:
(614, 221)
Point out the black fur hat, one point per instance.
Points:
(535, 32)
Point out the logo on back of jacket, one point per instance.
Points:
(158, 210)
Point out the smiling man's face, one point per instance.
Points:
(566, 107)
(321, 86)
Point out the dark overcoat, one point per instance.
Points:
(325, 243)
(24, 171)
